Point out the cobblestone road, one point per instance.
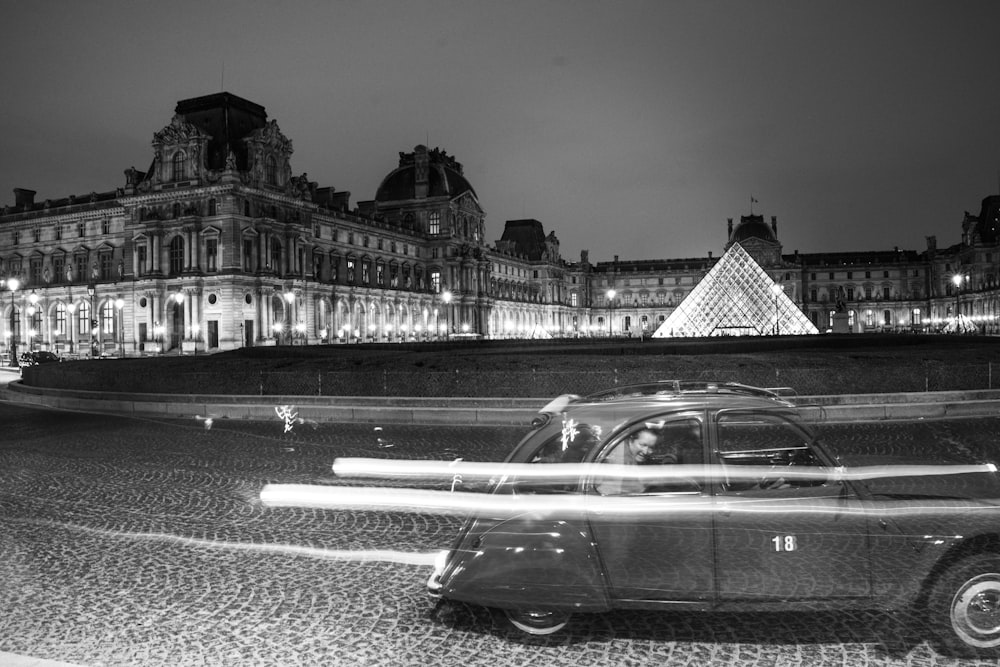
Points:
(138, 542)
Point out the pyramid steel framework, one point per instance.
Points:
(736, 298)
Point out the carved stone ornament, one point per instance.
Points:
(179, 132)
(299, 187)
(271, 136)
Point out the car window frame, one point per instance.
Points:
(833, 486)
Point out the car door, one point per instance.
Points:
(654, 535)
(779, 535)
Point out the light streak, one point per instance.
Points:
(368, 468)
(540, 505)
(359, 555)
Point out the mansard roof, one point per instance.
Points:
(227, 119)
(988, 222)
(527, 237)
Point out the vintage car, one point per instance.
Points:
(720, 497)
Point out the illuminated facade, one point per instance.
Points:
(219, 245)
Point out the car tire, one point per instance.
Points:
(965, 606)
(537, 622)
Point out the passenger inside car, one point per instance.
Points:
(662, 443)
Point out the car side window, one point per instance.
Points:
(570, 445)
(656, 447)
(761, 454)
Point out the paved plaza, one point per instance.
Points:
(142, 542)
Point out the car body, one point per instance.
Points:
(752, 513)
(38, 357)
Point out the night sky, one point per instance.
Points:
(627, 128)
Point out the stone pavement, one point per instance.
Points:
(141, 542)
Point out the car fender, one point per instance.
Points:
(528, 563)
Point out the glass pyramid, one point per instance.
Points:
(736, 298)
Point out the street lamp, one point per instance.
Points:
(91, 290)
(289, 298)
(446, 298)
(611, 308)
(119, 304)
(957, 280)
(13, 284)
(178, 298)
(776, 288)
(32, 309)
(158, 332)
(638, 322)
(71, 308)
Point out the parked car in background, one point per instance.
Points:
(719, 497)
(38, 357)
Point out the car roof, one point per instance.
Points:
(675, 394)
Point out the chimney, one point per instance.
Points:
(774, 224)
(24, 198)
(710, 254)
(616, 259)
(730, 221)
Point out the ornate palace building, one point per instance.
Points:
(219, 245)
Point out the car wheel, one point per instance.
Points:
(537, 622)
(965, 606)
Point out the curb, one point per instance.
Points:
(472, 411)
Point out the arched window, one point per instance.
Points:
(434, 226)
(176, 255)
(179, 166)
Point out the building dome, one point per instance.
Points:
(421, 174)
(753, 226)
